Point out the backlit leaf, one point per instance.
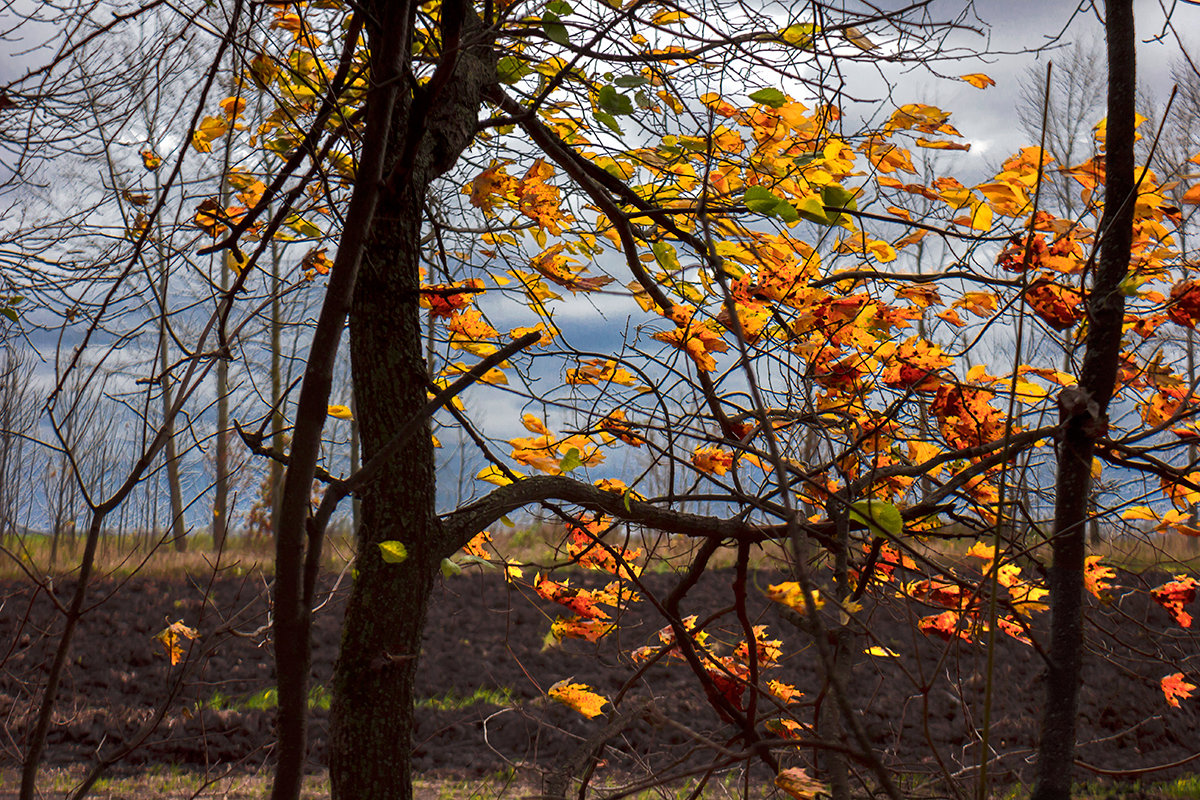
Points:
(978, 80)
(769, 97)
(1175, 688)
(578, 696)
(392, 552)
(172, 638)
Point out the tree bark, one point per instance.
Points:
(372, 715)
(1083, 416)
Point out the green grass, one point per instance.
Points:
(1180, 789)
(451, 701)
(319, 698)
(262, 700)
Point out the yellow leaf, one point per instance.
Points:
(669, 17)
(791, 595)
(341, 412)
(881, 651)
(1139, 512)
(978, 79)
(493, 474)
(578, 696)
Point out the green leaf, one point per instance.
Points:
(450, 569)
(511, 69)
(554, 29)
(631, 81)
(612, 101)
(609, 121)
(769, 97)
(571, 460)
(559, 7)
(836, 196)
(813, 210)
(665, 255)
(392, 552)
(303, 227)
(762, 200)
(11, 313)
(881, 517)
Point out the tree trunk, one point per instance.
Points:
(1083, 413)
(372, 715)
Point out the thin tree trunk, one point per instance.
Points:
(277, 415)
(1083, 413)
(178, 530)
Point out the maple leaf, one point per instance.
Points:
(490, 187)
(316, 262)
(768, 651)
(445, 299)
(554, 265)
(1175, 688)
(729, 679)
(791, 595)
(1060, 306)
(699, 339)
(476, 547)
(944, 626)
(712, 460)
(591, 630)
(784, 691)
(1184, 306)
(915, 365)
(614, 425)
(581, 601)
(578, 696)
(172, 637)
(1173, 596)
(584, 546)
(1013, 629)
(470, 331)
(1096, 576)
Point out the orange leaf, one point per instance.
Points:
(798, 784)
(712, 460)
(978, 79)
(578, 696)
(1174, 688)
(1096, 577)
(171, 638)
(1174, 595)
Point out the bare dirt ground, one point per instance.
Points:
(485, 669)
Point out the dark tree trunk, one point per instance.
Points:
(372, 716)
(1083, 413)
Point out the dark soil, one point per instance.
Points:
(921, 710)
